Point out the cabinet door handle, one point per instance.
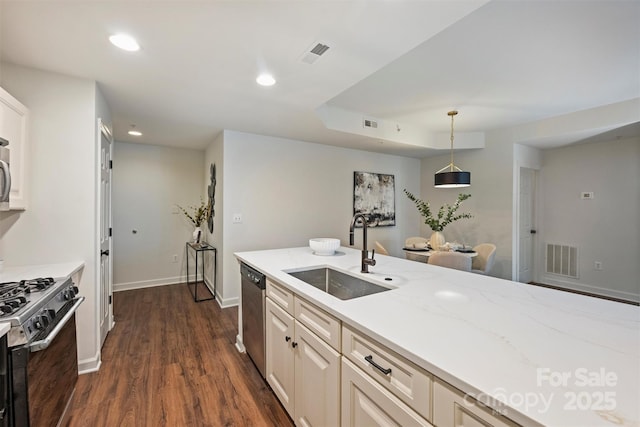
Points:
(294, 344)
(385, 371)
(287, 338)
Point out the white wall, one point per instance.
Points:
(490, 203)
(215, 155)
(59, 225)
(289, 191)
(610, 169)
(148, 181)
(605, 229)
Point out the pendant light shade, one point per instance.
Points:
(452, 176)
(453, 179)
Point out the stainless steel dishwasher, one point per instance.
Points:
(253, 302)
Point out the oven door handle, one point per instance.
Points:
(42, 344)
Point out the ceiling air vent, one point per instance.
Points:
(368, 123)
(314, 53)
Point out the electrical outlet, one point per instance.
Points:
(586, 195)
(237, 218)
(597, 265)
(175, 258)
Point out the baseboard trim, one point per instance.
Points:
(585, 293)
(86, 366)
(229, 302)
(240, 344)
(128, 286)
(222, 302)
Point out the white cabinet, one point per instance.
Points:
(405, 380)
(380, 387)
(279, 354)
(280, 295)
(366, 403)
(317, 390)
(319, 322)
(13, 128)
(303, 370)
(451, 408)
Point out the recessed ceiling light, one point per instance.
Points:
(125, 42)
(134, 132)
(265, 80)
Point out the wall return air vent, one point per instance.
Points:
(562, 260)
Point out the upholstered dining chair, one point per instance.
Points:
(455, 260)
(410, 242)
(380, 249)
(483, 263)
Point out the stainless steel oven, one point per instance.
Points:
(4, 383)
(42, 349)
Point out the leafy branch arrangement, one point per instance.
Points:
(196, 214)
(446, 214)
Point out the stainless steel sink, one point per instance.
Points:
(338, 284)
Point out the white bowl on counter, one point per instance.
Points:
(324, 245)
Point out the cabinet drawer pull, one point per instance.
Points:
(385, 371)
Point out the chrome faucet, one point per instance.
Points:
(366, 261)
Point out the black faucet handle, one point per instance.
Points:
(368, 261)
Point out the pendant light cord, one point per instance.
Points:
(452, 176)
(452, 113)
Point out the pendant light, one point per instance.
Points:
(452, 176)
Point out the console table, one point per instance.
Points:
(199, 251)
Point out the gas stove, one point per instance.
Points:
(41, 347)
(32, 306)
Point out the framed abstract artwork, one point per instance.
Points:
(374, 197)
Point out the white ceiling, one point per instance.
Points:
(501, 63)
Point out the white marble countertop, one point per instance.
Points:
(56, 271)
(537, 355)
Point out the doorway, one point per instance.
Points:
(104, 211)
(526, 225)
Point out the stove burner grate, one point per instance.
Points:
(13, 294)
(39, 284)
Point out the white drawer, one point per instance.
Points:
(320, 322)
(280, 295)
(405, 380)
(452, 409)
(366, 403)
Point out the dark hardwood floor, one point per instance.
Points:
(172, 362)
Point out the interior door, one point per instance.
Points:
(526, 229)
(106, 308)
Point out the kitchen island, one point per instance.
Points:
(535, 355)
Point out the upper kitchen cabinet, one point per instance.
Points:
(13, 128)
